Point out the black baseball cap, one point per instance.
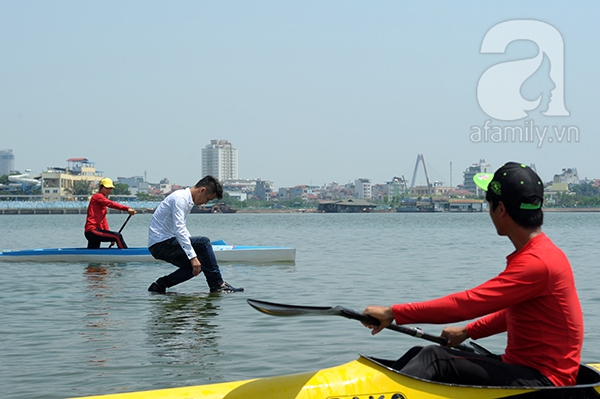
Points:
(515, 184)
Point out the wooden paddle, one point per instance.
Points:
(279, 309)
(121, 229)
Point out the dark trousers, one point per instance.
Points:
(437, 363)
(96, 236)
(170, 251)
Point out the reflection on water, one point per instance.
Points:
(99, 325)
(97, 274)
(182, 328)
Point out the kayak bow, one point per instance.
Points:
(365, 378)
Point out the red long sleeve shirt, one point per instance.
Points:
(96, 212)
(534, 300)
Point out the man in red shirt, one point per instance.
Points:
(533, 300)
(96, 226)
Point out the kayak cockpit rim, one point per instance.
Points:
(588, 377)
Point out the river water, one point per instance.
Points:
(77, 329)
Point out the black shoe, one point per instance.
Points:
(155, 287)
(225, 287)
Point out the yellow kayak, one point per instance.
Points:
(364, 378)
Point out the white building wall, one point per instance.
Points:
(362, 188)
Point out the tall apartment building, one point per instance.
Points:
(220, 159)
(7, 162)
(362, 188)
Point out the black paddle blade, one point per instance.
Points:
(279, 309)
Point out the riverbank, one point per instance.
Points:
(79, 211)
(571, 209)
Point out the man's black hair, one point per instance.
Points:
(213, 186)
(526, 218)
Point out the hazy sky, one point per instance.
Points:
(309, 92)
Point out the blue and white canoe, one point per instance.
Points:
(223, 253)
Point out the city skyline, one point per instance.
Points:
(416, 175)
(311, 92)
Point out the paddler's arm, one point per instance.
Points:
(384, 314)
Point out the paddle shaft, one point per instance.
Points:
(121, 229)
(277, 309)
(413, 331)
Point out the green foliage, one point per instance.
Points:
(32, 192)
(582, 195)
(80, 187)
(121, 189)
(141, 196)
(584, 190)
(229, 200)
(4, 179)
(395, 200)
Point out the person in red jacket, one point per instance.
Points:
(533, 300)
(96, 226)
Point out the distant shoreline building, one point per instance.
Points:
(568, 176)
(362, 189)
(481, 167)
(220, 159)
(57, 183)
(7, 162)
(137, 184)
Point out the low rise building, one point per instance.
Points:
(136, 184)
(58, 183)
(351, 205)
(568, 176)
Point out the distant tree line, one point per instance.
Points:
(579, 195)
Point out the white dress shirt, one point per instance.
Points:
(169, 218)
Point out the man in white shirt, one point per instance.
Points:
(170, 240)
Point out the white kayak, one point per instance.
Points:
(223, 253)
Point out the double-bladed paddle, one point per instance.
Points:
(279, 309)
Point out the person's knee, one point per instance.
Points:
(201, 242)
(434, 351)
(432, 355)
